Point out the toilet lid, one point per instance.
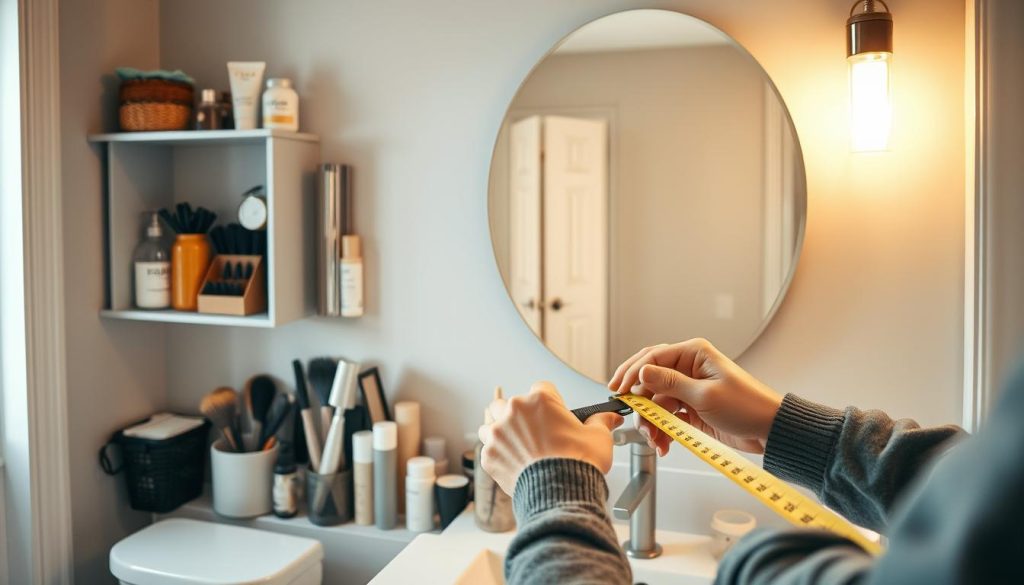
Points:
(188, 552)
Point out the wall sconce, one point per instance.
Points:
(869, 53)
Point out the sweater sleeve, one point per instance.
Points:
(858, 462)
(564, 534)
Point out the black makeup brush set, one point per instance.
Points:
(186, 220)
(235, 239)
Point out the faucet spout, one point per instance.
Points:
(639, 488)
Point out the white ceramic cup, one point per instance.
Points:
(728, 526)
(242, 482)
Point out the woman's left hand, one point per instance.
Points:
(538, 426)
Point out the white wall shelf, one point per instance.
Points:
(146, 171)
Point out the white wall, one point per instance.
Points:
(413, 93)
(14, 487)
(116, 371)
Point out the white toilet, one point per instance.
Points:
(190, 552)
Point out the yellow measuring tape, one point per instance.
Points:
(779, 496)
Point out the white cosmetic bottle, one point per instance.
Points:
(280, 105)
(419, 495)
(152, 269)
(362, 476)
(351, 276)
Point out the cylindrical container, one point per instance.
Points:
(452, 496)
(362, 475)
(728, 526)
(329, 497)
(329, 229)
(280, 105)
(419, 495)
(385, 474)
(407, 417)
(286, 490)
(493, 507)
(242, 482)
(190, 257)
(437, 449)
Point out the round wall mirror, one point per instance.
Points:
(646, 187)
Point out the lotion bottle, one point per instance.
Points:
(351, 276)
(419, 495)
(362, 476)
(152, 261)
(385, 474)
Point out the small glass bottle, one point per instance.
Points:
(208, 115)
(152, 261)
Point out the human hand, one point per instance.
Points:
(538, 426)
(702, 387)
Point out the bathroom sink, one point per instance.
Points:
(486, 568)
(464, 555)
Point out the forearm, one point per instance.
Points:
(793, 557)
(858, 462)
(564, 534)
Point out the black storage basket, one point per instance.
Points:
(161, 474)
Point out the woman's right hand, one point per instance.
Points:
(704, 388)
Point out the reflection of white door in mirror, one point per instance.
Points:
(558, 235)
(524, 213)
(576, 242)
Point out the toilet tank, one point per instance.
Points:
(189, 552)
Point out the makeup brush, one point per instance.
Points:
(221, 408)
(262, 390)
(279, 409)
(286, 434)
(342, 398)
(321, 377)
(309, 424)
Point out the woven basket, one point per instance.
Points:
(155, 104)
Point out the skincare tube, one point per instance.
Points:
(246, 85)
(385, 474)
(362, 467)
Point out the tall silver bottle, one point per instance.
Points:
(385, 474)
(333, 220)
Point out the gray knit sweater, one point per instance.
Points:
(955, 519)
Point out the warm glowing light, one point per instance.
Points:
(870, 101)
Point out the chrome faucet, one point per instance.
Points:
(637, 501)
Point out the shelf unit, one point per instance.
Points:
(212, 168)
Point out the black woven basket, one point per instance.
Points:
(161, 475)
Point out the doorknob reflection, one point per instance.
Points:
(529, 305)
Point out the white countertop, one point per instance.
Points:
(445, 557)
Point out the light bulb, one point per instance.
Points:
(870, 101)
(869, 53)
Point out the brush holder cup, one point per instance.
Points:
(329, 497)
(242, 482)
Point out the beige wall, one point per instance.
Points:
(412, 94)
(116, 371)
(686, 210)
